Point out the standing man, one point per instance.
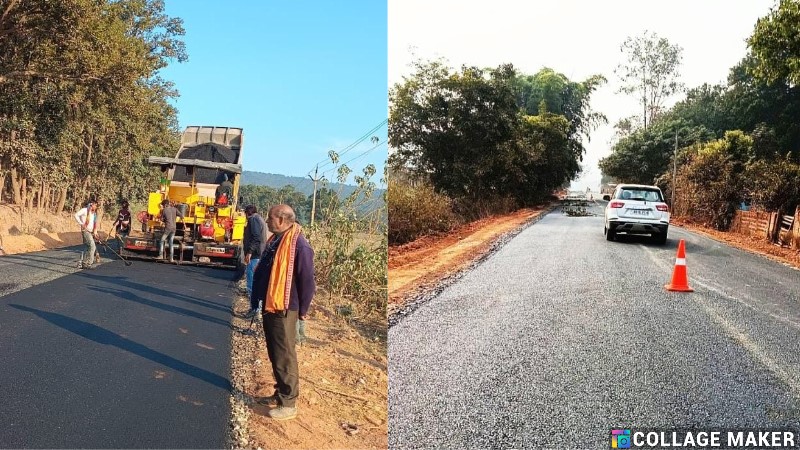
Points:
(87, 219)
(169, 215)
(284, 280)
(255, 241)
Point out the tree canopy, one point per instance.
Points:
(775, 44)
(81, 101)
(650, 72)
(490, 133)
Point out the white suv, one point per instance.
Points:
(636, 209)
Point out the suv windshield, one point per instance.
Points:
(645, 195)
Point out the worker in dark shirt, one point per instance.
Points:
(123, 223)
(253, 245)
(169, 215)
(224, 191)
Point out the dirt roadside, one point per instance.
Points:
(783, 255)
(343, 365)
(418, 267)
(34, 231)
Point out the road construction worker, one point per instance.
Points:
(87, 219)
(123, 222)
(253, 245)
(224, 192)
(169, 215)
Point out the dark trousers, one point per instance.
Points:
(280, 334)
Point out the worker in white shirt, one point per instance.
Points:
(87, 219)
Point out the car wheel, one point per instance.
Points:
(610, 234)
(661, 238)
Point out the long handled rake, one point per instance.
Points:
(108, 247)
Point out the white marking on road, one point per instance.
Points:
(785, 375)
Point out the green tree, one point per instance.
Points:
(81, 100)
(775, 43)
(750, 102)
(468, 133)
(647, 153)
(563, 97)
(650, 73)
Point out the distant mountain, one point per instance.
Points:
(304, 185)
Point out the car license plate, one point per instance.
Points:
(141, 243)
(639, 212)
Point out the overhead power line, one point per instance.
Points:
(356, 157)
(365, 136)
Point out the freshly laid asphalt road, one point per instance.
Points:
(116, 357)
(561, 336)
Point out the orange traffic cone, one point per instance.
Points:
(680, 281)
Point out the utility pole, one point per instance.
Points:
(674, 171)
(314, 196)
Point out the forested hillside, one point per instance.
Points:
(264, 189)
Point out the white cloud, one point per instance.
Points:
(576, 38)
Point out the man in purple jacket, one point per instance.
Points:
(284, 281)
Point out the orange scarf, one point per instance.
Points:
(280, 277)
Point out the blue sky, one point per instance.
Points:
(301, 77)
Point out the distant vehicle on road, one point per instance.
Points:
(636, 209)
(576, 195)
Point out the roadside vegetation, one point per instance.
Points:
(475, 142)
(733, 143)
(81, 101)
(350, 240)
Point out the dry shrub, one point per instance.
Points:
(469, 210)
(350, 254)
(416, 211)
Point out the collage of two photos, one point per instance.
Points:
(399, 224)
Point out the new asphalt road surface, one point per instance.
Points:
(561, 336)
(116, 357)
